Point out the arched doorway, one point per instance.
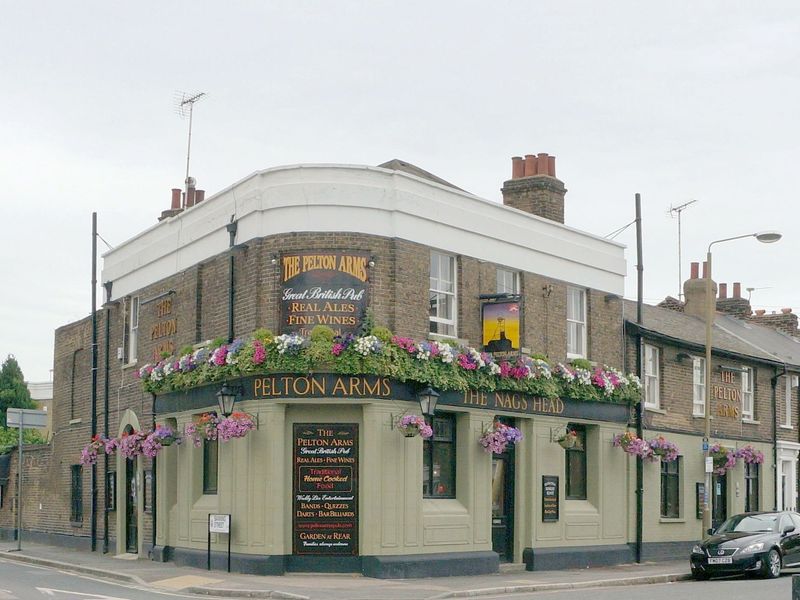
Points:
(128, 502)
(131, 536)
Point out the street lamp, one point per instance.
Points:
(225, 398)
(427, 401)
(765, 237)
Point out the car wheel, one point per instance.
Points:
(772, 564)
(699, 574)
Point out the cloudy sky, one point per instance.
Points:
(678, 101)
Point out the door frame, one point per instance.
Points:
(128, 418)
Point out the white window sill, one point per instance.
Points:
(655, 409)
(751, 421)
(75, 421)
(574, 356)
(701, 417)
(785, 426)
(130, 365)
(450, 339)
(671, 520)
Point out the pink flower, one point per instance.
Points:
(337, 349)
(259, 354)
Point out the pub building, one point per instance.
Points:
(321, 476)
(753, 410)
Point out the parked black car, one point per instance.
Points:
(756, 542)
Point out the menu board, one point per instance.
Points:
(325, 488)
(549, 498)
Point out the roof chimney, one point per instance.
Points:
(190, 189)
(695, 293)
(199, 196)
(723, 291)
(735, 305)
(785, 321)
(533, 187)
(175, 205)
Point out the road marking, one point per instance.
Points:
(53, 592)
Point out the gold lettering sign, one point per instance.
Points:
(321, 385)
(514, 401)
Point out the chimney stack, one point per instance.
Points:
(175, 205)
(785, 321)
(533, 187)
(735, 306)
(694, 292)
(190, 190)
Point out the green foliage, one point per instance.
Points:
(322, 333)
(187, 349)
(14, 391)
(165, 354)
(264, 335)
(367, 323)
(581, 363)
(216, 343)
(9, 438)
(382, 333)
(538, 356)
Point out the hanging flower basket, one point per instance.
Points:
(633, 444)
(130, 444)
(205, 428)
(155, 440)
(90, 451)
(496, 439)
(664, 449)
(567, 438)
(724, 458)
(235, 426)
(414, 425)
(750, 455)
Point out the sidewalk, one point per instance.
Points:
(167, 577)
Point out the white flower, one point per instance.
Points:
(494, 368)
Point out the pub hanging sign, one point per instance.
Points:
(323, 288)
(501, 326)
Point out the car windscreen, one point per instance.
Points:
(750, 523)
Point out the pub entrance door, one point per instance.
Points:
(503, 504)
(719, 487)
(131, 517)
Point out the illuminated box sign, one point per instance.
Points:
(500, 324)
(323, 288)
(325, 491)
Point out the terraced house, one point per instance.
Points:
(418, 374)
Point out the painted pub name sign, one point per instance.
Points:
(323, 288)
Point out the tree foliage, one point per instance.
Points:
(14, 391)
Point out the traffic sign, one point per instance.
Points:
(26, 418)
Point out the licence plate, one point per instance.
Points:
(725, 560)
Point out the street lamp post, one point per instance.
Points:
(765, 237)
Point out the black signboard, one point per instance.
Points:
(549, 498)
(325, 490)
(699, 499)
(323, 288)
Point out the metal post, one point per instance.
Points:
(19, 483)
(639, 407)
(710, 310)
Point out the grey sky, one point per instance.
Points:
(677, 101)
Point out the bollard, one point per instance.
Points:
(795, 587)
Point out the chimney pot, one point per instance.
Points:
(695, 270)
(199, 196)
(737, 290)
(190, 197)
(517, 167)
(541, 164)
(786, 311)
(723, 291)
(176, 199)
(551, 166)
(705, 270)
(530, 165)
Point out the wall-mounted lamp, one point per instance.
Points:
(682, 356)
(226, 397)
(547, 290)
(274, 259)
(371, 262)
(427, 401)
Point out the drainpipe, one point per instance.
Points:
(231, 227)
(154, 484)
(774, 382)
(639, 406)
(105, 416)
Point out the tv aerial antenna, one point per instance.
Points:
(677, 210)
(184, 105)
(750, 291)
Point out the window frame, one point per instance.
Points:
(671, 487)
(133, 330)
(210, 484)
(748, 391)
(435, 288)
(752, 480)
(76, 494)
(579, 450)
(428, 453)
(502, 286)
(698, 408)
(652, 381)
(579, 322)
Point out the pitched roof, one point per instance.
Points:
(400, 165)
(729, 334)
